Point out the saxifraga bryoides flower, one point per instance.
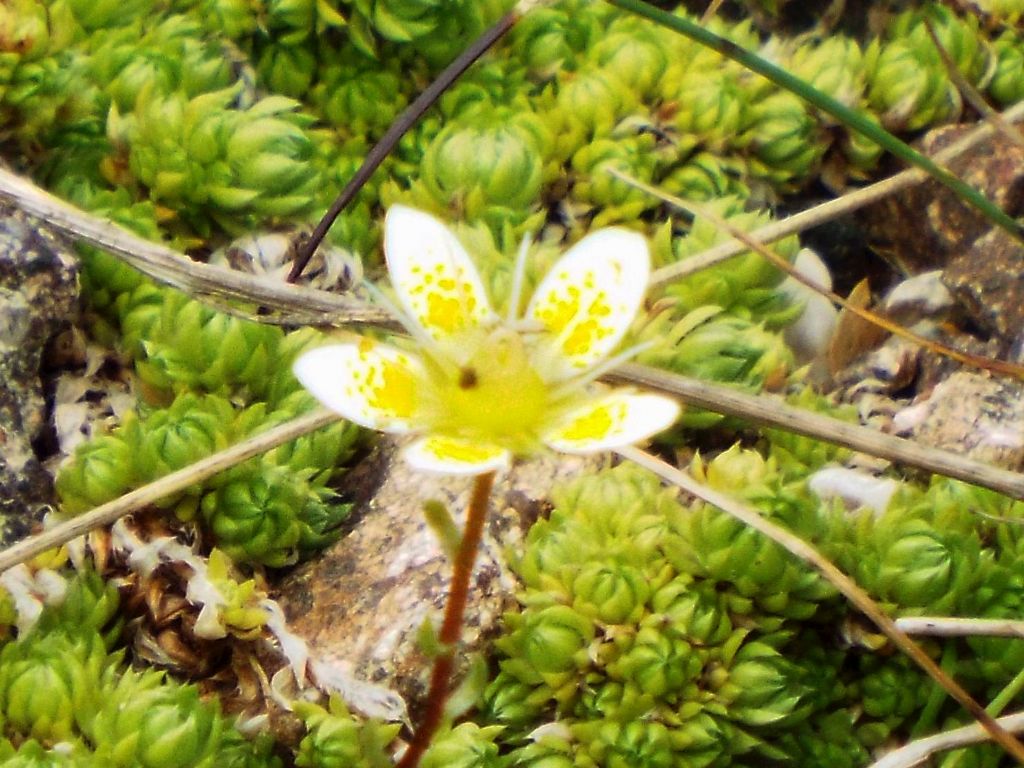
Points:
(478, 389)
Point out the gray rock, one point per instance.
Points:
(38, 298)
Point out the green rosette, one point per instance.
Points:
(612, 199)
(783, 140)
(635, 52)
(487, 171)
(145, 723)
(743, 285)
(204, 156)
(465, 746)
(50, 684)
(335, 738)
(179, 343)
(141, 57)
(709, 110)
(101, 469)
(1007, 84)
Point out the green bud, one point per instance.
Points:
(917, 568)
(334, 737)
(547, 644)
(191, 429)
(465, 746)
(363, 101)
(611, 593)
(100, 470)
(893, 690)
(145, 724)
(613, 700)
(541, 41)
(474, 166)
(509, 701)
(909, 89)
(757, 688)
(834, 66)
(657, 663)
(637, 744)
(710, 109)
(589, 105)
(615, 199)
(706, 176)
(694, 611)
(1007, 84)
(958, 34)
(90, 604)
(49, 684)
(634, 55)
(784, 139)
(287, 69)
(255, 518)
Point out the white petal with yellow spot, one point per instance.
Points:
(587, 301)
(436, 281)
(612, 420)
(372, 384)
(454, 456)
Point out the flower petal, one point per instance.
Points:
(372, 384)
(613, 420)
(588, 300)
(455, 456)
(436, 281)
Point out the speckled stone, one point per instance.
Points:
(927, 227)
(38, 299)
(362, 602)
(975, 415)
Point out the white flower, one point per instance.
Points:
(485, 388)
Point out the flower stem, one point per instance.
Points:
(451, 627)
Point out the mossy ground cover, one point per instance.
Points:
(653, 631)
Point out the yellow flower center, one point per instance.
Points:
(496, 396)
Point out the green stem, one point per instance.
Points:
(451, 627)
(849, 117)
(995, 708)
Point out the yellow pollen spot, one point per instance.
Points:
(582, 338)
(467, 453)
(444, 313)
(595, 425)
(396, 392)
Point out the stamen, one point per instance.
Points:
(594, 374)
(411, 327)
(518, 277)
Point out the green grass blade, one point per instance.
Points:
(849, 117)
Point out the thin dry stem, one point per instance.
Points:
(971, 94)
(451, 628)
(945, 626)
(763, 410)
(205, 282)
(774, 412)
(916, 752)
(849, 589)
(833, 209)
(165, 486)
(984, 363)
(299, 305)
